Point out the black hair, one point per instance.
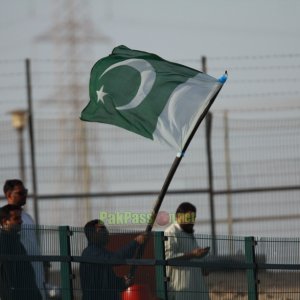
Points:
(5, 211)
(90, 228)
(10, 184)
(185, 207)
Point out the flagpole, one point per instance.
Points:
(168, 180)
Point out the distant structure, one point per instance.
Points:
(72, 36)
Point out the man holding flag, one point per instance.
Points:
(155, 98)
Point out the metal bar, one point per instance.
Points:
(160, 271)
(210, 181)
(251, 272)
(219, 265)
(21, 155)
(228, 172)
(65, 270)
(171, 192)
(32, 142)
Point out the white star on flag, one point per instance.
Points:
(101, 94)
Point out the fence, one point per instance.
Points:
(255, 173)
(239, 268)
(83, 170)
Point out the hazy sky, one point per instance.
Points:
(256, 41)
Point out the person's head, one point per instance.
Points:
(15, 192)
(96, 232)
(186, 216)
(10, 216)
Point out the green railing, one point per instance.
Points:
(238, 268)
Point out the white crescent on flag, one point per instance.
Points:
(148, 76)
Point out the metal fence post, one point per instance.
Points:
(208, 128)
(65, 269)
(32, 143)
(160, 270)
(251, 272)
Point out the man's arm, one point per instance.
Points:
(129, 250)
(195, 253)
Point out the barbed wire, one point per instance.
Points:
(255, 68)
(190, 60)
(258, 57)
(12, 74)
(238, 81)
(257, 109)
(241, 57)
(264, 80)
(6, 61)
(266, 94)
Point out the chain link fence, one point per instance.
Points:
(84, 170)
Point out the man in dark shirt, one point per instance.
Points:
(98, 281)
(17, 278)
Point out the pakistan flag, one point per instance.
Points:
(148, 95)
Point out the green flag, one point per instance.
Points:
(148, 95)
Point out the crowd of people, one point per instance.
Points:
(19, 279)
(25, 279)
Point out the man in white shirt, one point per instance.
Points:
(181, 245)
(16, 194)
